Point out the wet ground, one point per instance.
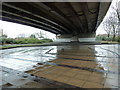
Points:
(82, 66)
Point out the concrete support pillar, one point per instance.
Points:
(74, 39)
(87, 37)
(83, 37)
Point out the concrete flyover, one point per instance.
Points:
(70, 21)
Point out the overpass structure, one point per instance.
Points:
(70, 21)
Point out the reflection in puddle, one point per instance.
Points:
(24, 58)
(112, 65)
(97, 62)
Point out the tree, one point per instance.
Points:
(112, 22)
(107, 27)
(115, 19)
(4, 36)
(117, 15)
(32, 36)
(3, 39)
(117, 10)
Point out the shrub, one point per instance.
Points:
(27, 41)
(117, 39)
(10, 41)
(23, 41)
(105, 38)
(100, 37)
(7, 41)
(32, 41)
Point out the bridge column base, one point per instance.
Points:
(83, 37)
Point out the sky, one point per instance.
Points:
(100, 29)
(13, 30)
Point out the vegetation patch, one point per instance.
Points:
(106, 39)
(7, 43)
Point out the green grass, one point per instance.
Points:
(15, 46)
(22, 42)
(110, 42)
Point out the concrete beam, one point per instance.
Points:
(104, 6)
(31, 20)
(27, 23)
(66, 18)
(31, 13)
(53, 14)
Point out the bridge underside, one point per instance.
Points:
(63, 18)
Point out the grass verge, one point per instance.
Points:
(15, 46)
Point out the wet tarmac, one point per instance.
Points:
(83, 66)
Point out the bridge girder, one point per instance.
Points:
(55, 17)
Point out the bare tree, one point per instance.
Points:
(107, 27)
(118, 11)
(112, 22)
(116, 15)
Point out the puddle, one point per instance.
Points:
(25, 58)
(92, 58)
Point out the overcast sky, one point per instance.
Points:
(13, 30)
(100, 29)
